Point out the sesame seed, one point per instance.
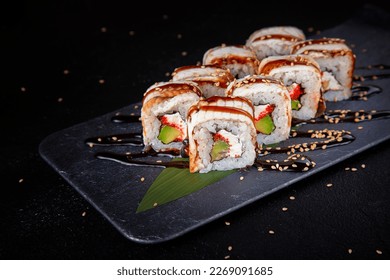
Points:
(260, 169)
(23, 89)
(306, 168)
(60, 99)
(90, 145)
(142, 179)
(155, 204)
(227, 257)
(347, 168)
(20, 180)
(184, 53)
(241, 178)
(363, 165)
(292, 197)
(66, 72)
(360, 127)
(114, 138)
(179, 36)
(379, 252)
(353, 169)
(230, 248)
(284, 209)
(103, 29)
(329, 185)
(101, 81)
(271, 232)
(227, 223)
(349, 251)
(83, 214)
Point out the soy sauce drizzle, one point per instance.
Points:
(375, 66)
(371, 77)
(363, 92)
(337, 116)
(125, 119)
(132, 139)
(331, 138)
(295, 162)
(129, 160)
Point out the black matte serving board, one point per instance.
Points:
(115, 189)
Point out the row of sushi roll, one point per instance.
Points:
(244, 96)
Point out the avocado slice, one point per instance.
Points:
(265, 125)
(295, 104)
(219, 150)
(168, 134)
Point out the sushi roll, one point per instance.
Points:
(272, 41)
(240, 60)
(337, 63)
(164, 113)
(221, 134)
(212, 80)
(272, 106)
(301, 74)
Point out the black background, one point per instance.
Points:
(42, 217)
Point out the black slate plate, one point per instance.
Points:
(115, 189)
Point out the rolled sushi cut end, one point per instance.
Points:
(295, 91)
(173, 129)
(226, 144)
(263, 120)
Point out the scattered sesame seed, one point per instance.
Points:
(260, 169)
(241, 178)
(292, 197)
(142, 179)
(230, 248)
(363, 165)
(136, 107)
(184, 53)
(103, 29)
(179, 36)
(347, 168)
(271, 232)
(155, 204)
(360, 127)
(83, 214)
(284, 209)
(20, 180)
(114, 138)
(66, 72)
(60, 99)
(132, 33)
(353, 169)
(101, 81)
(90, 145)
(329, 185)
(167, 74)
(349, 251)
(23, 89)
(227, 223)
(379, 252)
(227, 257)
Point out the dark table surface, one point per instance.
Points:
(64, 64)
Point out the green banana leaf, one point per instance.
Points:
(174, 183)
